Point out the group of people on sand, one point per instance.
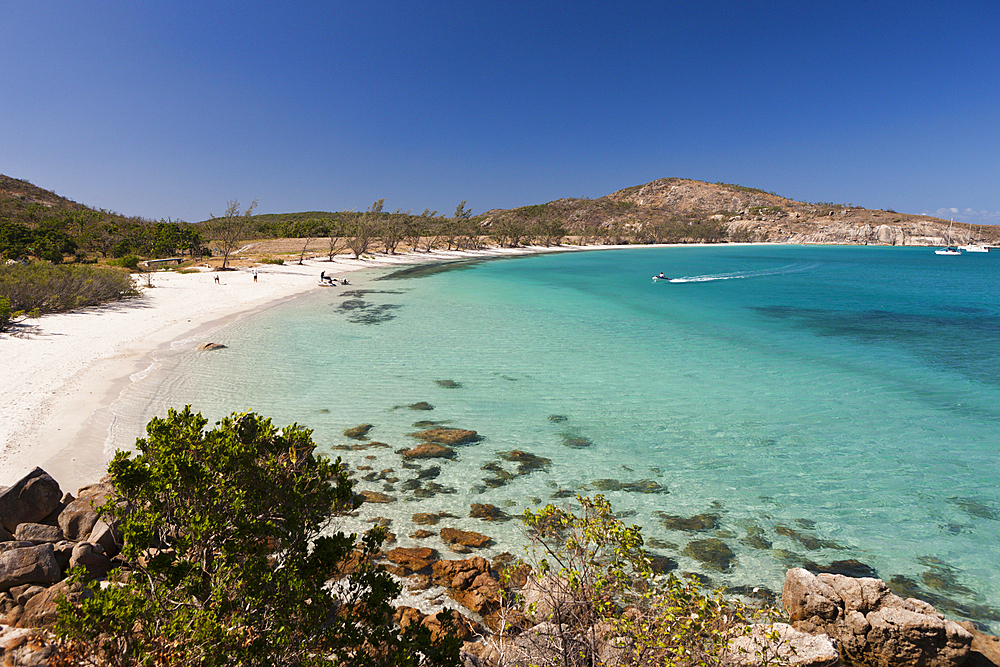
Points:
(330, 280)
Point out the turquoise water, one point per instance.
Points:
(833, 403)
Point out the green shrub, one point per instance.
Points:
(54, 288)
(128, 262)
(6, 313)
(227, 561)
(272, 260)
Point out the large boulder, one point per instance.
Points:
(79, 517)
(466, 538)
(31, 499)
(871, 624)
(107, 537)
(412, 559)
(42, 610)
(38, 533)
(29, 565)
(781, 644)
(92, 558)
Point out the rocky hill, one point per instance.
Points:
(747, 214)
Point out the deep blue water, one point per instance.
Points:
(834, 402)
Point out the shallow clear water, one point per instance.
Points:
(837, 402)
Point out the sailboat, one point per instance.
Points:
(974, 247)
(950, 250)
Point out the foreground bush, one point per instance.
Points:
(226, 564)
(592, 597)
(50, 288)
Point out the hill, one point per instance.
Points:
(20, 201)
(745, 214)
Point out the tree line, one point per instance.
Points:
(83, 234)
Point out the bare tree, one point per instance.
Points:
(230, 230)
(338, 238)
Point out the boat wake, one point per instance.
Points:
(791, 268)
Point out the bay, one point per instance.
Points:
(811, 404)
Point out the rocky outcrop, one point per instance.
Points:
(757, 647)
(45, 538)
(872, 625)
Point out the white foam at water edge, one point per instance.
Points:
(144, 373)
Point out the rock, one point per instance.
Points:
(471, 584)
(420, 405)
(547, 598)
(42, 610)
(31, 499)
(527, 462)
(38, 533)
(439, 624)
(412, 559)
(29, 565)
(359, 432)
(448, 384)
(92, 558)
(428, 450)
(107, 537)
(793, 647)
(376, 497)
(488, 512)
(63, 552)
(449, 436)
(712, 552)
(872, 625)
(475, 654)
(422, 534)
(425, 519)
(810, 542)
(696, 523)
(985, 649)
(79, 517)
(756, 538)
(5, 535)
(548, 643)
(466, 538)
(210, 346)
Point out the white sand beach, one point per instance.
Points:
(60, 370)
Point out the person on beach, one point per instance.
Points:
(255, 275)
(216, 278)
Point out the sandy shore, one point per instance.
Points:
(62, 371)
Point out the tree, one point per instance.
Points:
(393, 230)
(226, 564)
(337, 238)
(231, 229)
(365, 228)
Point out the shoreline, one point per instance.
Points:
(66, 370)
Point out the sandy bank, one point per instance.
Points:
(61, 371)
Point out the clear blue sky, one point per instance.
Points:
(170, 109)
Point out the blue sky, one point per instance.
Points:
(169, 109)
